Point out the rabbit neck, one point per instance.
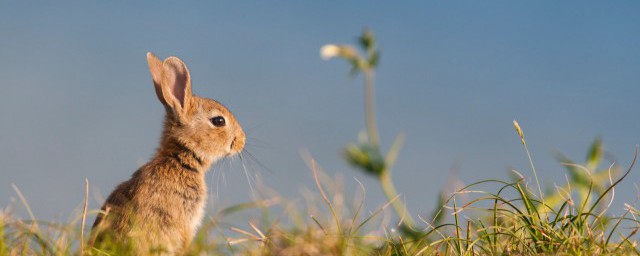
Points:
(183, 156)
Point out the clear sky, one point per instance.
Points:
(77, 99)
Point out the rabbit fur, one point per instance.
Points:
(158, 210)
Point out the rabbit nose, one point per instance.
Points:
(237, 144)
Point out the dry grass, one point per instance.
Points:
(509, 220)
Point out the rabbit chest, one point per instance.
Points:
(175, 203)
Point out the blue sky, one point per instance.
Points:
(78, 102)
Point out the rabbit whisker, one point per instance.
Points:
(254, 159)
(246, 173)
(257, 142)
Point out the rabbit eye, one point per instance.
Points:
(218, 121)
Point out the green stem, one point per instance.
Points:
(369, 105)
(535, 174)
(385, 176)
(390, 191)
(3, 247)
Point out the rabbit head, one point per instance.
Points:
(203, 125)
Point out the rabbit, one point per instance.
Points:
(158, 210)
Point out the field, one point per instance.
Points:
(517, 216)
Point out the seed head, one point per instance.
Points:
(519, 130)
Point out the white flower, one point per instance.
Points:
(329, 51)
(343, 51)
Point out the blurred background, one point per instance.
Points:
(77, 99)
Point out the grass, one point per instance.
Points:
(511, 219)
(488, 217)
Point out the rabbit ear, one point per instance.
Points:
(155, 67)
(176, 85)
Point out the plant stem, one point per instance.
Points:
(385, 176)
(390, 191)
(535, 174)
(369, 108)
(3, 246)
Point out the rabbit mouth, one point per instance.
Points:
(230, 151)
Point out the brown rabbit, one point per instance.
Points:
(160, 208)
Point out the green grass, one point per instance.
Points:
(488, 217)
(511, 219)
